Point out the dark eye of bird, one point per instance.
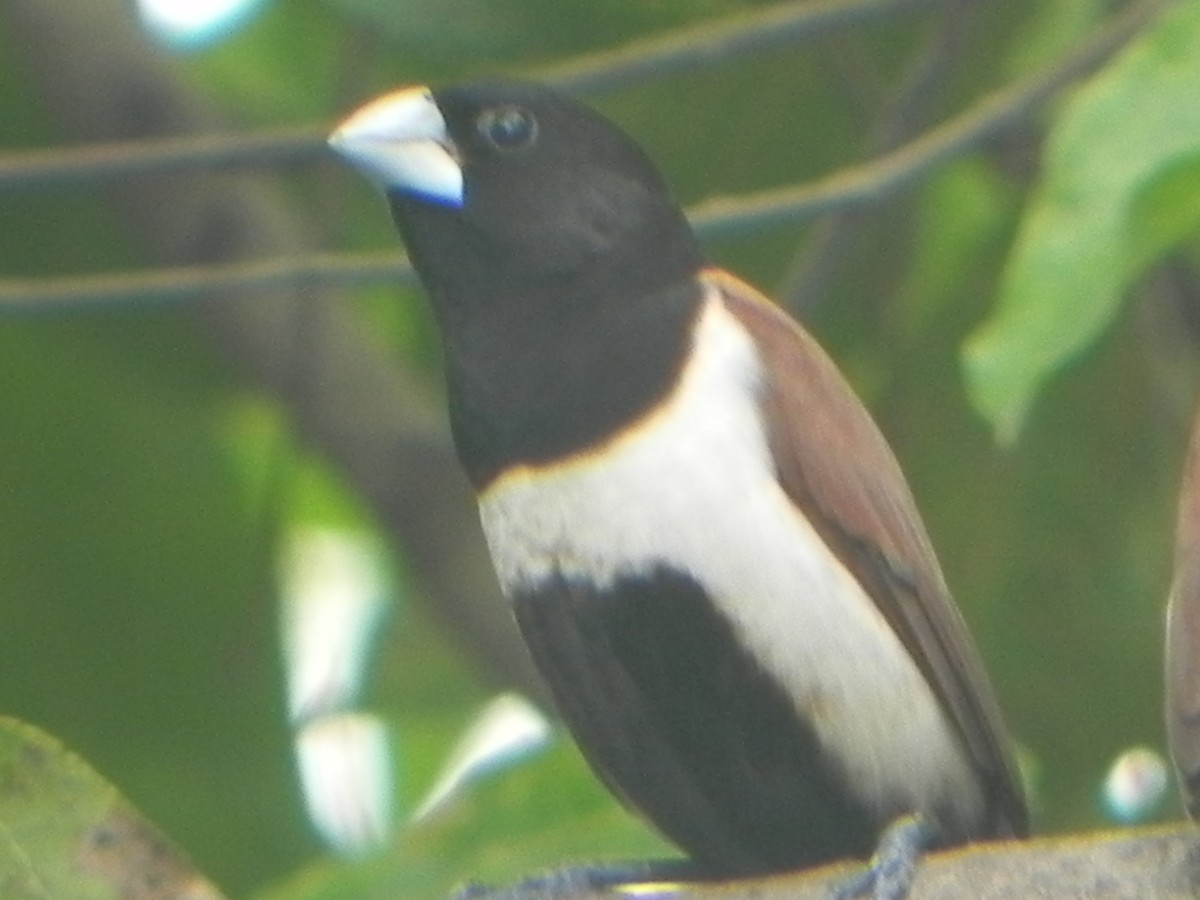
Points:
(508, 127)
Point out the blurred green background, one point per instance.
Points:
(149, 461)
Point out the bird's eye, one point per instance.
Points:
(508, 127)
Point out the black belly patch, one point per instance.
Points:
(682, 724)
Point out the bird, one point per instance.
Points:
(707, 544)
(1182, 646)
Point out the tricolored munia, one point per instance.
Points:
(708, 546)
(1182, 694)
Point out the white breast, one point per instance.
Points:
(692, 487)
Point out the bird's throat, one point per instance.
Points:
(530, 380)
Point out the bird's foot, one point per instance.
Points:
(890, 872)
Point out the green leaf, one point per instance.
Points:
(1110, 202)
(65, 832)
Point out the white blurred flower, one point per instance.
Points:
(1135, 784)
(345, 766)
(335, 591)
(508, 729)
(194, 23)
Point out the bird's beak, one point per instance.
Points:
(400, 142)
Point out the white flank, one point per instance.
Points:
(693, 488)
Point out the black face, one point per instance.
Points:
(563, 285)
(548, 184)
(540, 167)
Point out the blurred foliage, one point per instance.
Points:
(68, 833)
(1113, 197)
(511, 826)
(142, 483)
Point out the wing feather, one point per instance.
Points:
(835, 465)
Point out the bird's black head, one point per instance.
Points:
(505, 185)
(560, 269)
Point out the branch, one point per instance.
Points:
(186, 284)
(1147, 864)
(679, 51)
(66, 167)
(874, 181)
(705, 45)
(903, 116)
(849, 188)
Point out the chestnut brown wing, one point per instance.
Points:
(835, 465)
